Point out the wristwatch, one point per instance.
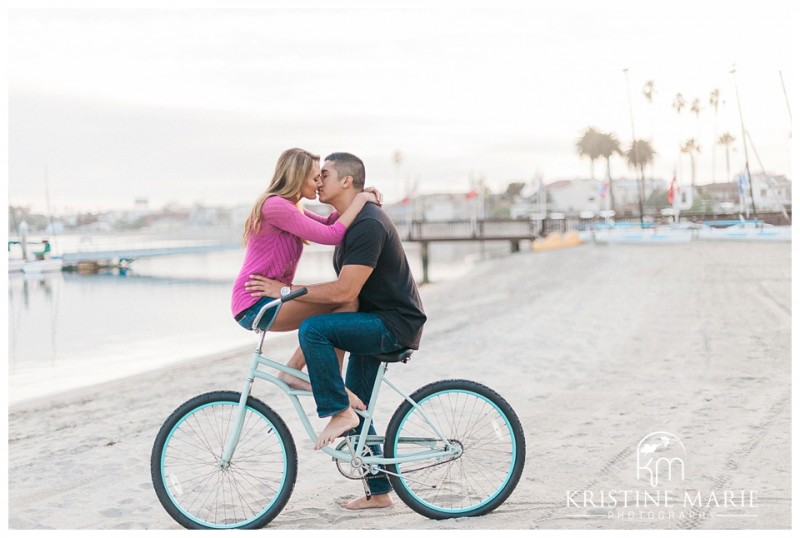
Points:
(286, 290)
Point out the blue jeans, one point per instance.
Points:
(246, 317)
(362, 334)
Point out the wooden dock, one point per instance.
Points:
(425, 232)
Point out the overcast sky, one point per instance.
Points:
(195, 105)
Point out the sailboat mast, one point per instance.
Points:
(744, 141)
(788, 108)
(47, 203)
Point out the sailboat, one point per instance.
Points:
(15, 265)
(42, 266)
(41, 263)
(44, 262)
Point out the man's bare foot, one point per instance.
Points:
(355, 401)
(339, 423)
(362, 503)
(294, 382)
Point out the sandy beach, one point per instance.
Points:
(596, 347)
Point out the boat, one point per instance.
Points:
(15, 265)
(42, 262)
(655, 235)
(42, 266)
(746, 231)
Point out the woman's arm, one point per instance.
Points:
(333, 217)
(284, 215)
(330, 219)
(356, 206)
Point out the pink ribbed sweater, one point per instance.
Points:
(275, 250)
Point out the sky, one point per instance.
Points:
(189, 106)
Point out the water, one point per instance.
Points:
(68, 330)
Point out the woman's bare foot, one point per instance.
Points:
(362, 503)
(339, 423)
(355, 401)
(294, 382)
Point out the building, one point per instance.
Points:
(771, 193)
(574, 197)
(434, 207)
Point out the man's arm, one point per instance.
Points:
(344, 289)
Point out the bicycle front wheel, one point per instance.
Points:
(482, 424)
(196, 490)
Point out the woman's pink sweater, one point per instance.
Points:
(275, 250)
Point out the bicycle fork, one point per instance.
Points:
(233, 438)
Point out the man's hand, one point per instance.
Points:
(260, 286)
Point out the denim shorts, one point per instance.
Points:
(245, 318)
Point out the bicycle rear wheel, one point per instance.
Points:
(196, 491)
(477, 419)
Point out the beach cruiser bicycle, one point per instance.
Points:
(225, 460)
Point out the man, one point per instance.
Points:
(371, 267)
(45, 252)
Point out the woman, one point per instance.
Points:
(274, 234)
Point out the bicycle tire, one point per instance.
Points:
(487, 471)
(192, 487)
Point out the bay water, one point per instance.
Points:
(69, 330)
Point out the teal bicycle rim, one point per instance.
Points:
(180, 506)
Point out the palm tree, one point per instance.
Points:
(695, 108)
(649, 92)
(608, 145)
(678, 103)
(713, 100)
(640, 154)
(588, 146)
(691, 147)
(726, 139)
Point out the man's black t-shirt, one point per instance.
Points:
(390, 291)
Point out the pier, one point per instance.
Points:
(425, 232)
(108, 252)
(116, 257)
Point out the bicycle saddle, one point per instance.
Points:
(402, 355)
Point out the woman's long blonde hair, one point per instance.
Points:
(291, 171)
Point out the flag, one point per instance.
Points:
(673, 186)
(472, 194)
(744, 183)
(603, 189)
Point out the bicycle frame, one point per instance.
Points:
(363, 438)
(258, 359)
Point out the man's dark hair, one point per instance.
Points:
(347, 164)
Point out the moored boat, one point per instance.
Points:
(747, 231)
(43, 266)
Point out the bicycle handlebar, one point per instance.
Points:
(294, 295)
(277, 302)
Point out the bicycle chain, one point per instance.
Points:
(366, 472)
